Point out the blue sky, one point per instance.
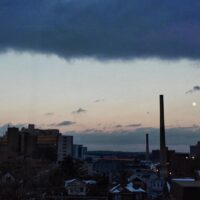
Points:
(112, 96)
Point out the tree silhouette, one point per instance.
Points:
(73, 168)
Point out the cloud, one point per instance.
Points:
(118, 126)
(178, 138)
(49, 114)
(102, 28)
(134, 125)
(64, 123)
(79, 111)
(91, 130)
(98, 100)
(194, 89)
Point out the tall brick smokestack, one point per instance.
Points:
(147, 146)
(163, 149)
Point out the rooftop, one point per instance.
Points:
(188, 183)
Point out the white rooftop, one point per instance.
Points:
(129, 187)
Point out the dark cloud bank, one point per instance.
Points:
(178, 138)
(102, 28)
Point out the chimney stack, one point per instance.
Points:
(147, 146)
(163, 149)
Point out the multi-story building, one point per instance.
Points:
(29, 142)
(13, 139)
(65, 147)
(47, 144)
(79, 151)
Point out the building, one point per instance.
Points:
(79, 151)
(20, 142)
(150, 181)
(7, 178)
(127, 192)
(155, 155)
(157, 187)
(195, 149)
(29, 142)
(184, 189)
(46, 142)
(183, 165)
(13, 139)
(77, 187)
(65, 147)
(163, 148)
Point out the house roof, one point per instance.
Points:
(89, 182)
(115, 189)
(69, 181)
(128, 188)
(131, 188)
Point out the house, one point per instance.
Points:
(138, 181)
(150, 181)
(75, 187)
(157, 187)
(78, 187)
(7, 178)
(127, 192)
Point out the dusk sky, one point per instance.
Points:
(95, 69)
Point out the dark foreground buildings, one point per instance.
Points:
(46, 144)
(34, 143)
(185, 189)
(29, 142)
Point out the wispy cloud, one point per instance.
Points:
(49, 114)
(196, 88)
(118, 126)
(98, 100)
(92, 130)
(134, 125)
(79, 111)
(64, 123)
